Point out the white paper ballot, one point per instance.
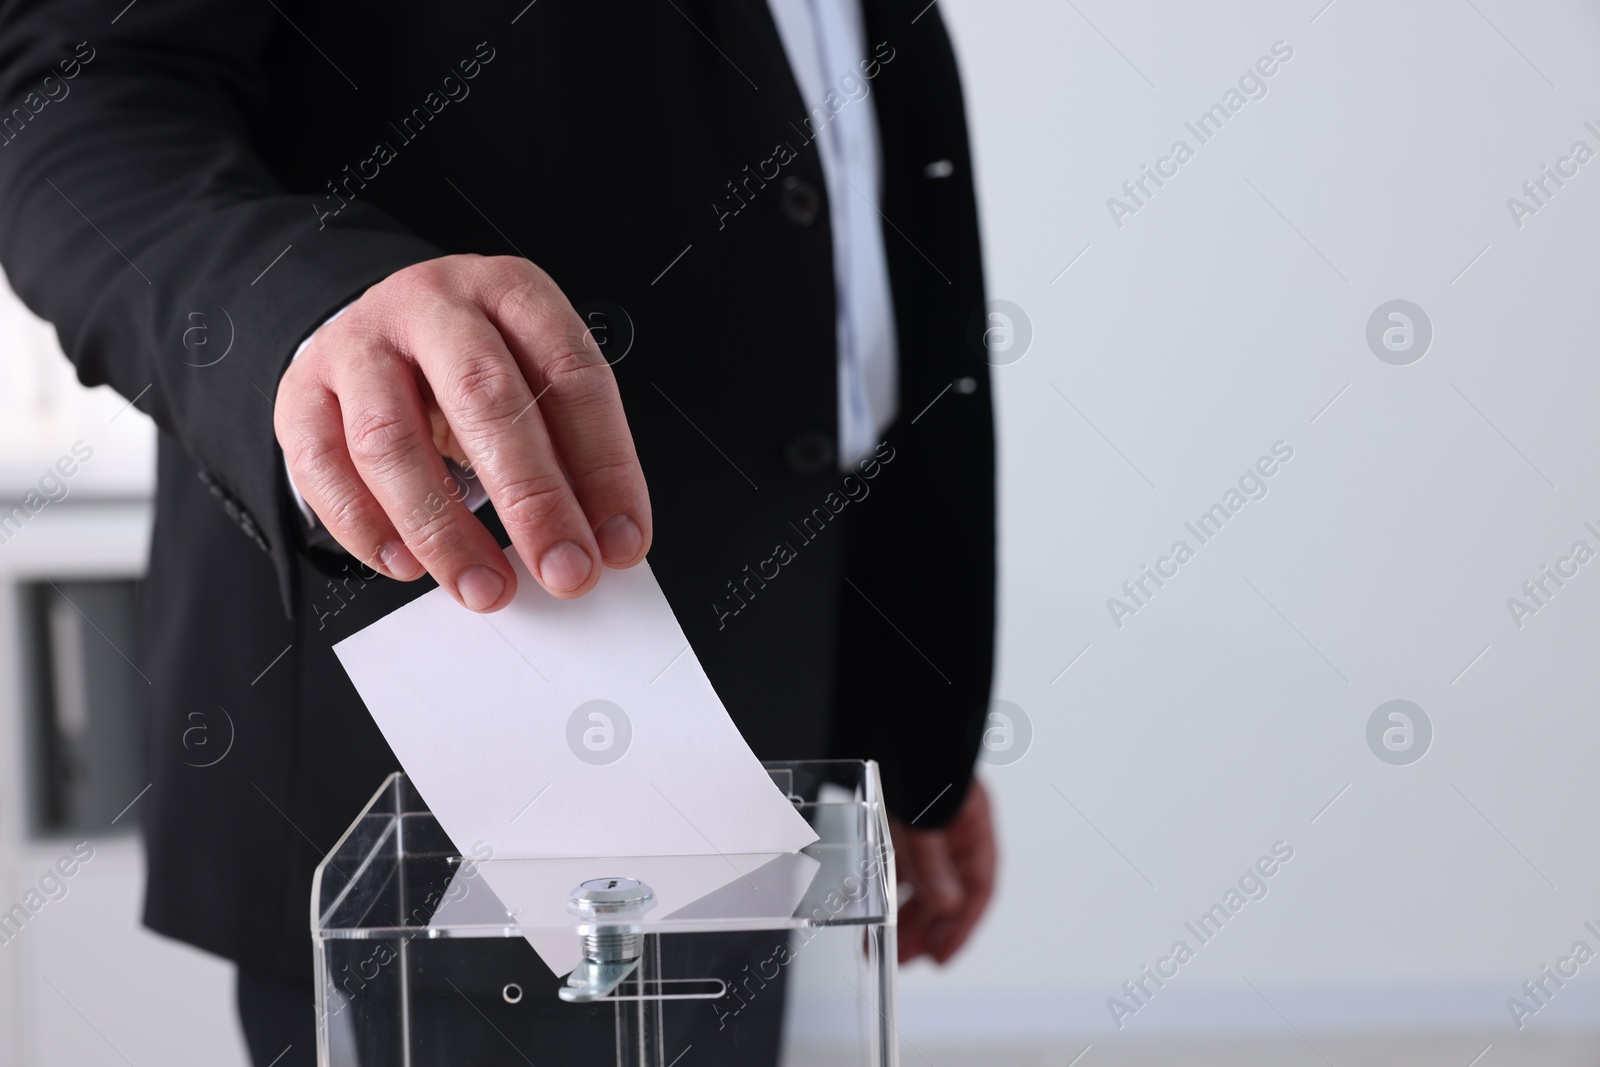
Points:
(567, 728)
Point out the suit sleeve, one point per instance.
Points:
(132, 201)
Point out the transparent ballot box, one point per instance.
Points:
(428, 955)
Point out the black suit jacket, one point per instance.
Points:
(257, 164)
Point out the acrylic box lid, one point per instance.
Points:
(395, 873)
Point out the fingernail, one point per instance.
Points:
(945, 888)
(397, 559)
(619, 538)
(564, 566)
(480, 587)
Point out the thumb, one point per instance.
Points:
(935, 881)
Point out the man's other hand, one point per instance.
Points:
(485, 358)
(951, 874)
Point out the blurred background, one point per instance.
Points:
(1335, 282)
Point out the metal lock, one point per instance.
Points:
(612, 946)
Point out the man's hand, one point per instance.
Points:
(484, 355)
(951, 874)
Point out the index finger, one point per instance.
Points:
(492, 414)
(576, 396)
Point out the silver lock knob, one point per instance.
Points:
(614, 943)
(610, 894)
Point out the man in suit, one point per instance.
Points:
(550, 254)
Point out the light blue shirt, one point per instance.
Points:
(826, 45)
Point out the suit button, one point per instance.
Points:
(810, 453)
(800, 201)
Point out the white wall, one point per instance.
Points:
(1224, 316)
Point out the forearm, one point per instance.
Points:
(132, 201)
